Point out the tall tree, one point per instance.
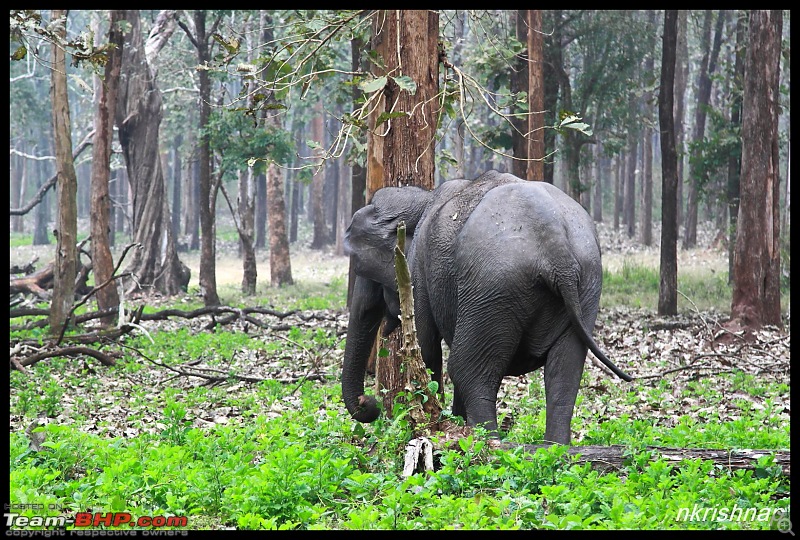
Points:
(735, 158)
(280, 264)
(201, 38)
(647, 137)
(756, 266)
(320, 238)
(358, 186)
(707, 67)
(102, 262)
(668, 286)
(138, 117)
(536, 108)
(66, 263)
(681, 78)
(401, 151)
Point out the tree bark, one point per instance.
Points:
(320, 238)
(358, 181)
(756, 267)
(735, 161)
(629, 200)
(401, 151)
(138, 116)
(280, 265)
(102, 261)
(66, 264)
(681, 77)
(668, 284)
(177, 186)
(208, 245)
(536, 91)
(707, 67)
(519, 80)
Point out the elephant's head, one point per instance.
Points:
(370, 241)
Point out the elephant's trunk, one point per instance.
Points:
(366, 311)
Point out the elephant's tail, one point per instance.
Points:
(570, 295)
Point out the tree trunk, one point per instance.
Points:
(553, 63)
(358, 180)
(519, 80)
(318, 181)
(619, 166)
(668, 286)
(208, 244)
(102, 261)
(261, 211)
(177, 180)
(401, 152)
(138, 116)
(343, 208)
(735, 161)
(600, 171)
(42, 215)
(536, 91)
(280, 265)
(66, 263)
(681, 78)
(756, 268)
(707, 67)
(279, 261)
(630, 185)
(246, 209)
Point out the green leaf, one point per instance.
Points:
(20, 53)
(373, 85)
(383, 352)
(383, 117)
(406, 83)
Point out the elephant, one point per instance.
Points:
(507, 272)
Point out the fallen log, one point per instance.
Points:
(615, 457)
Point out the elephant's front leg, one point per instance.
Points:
(429, 339)
(562, 377)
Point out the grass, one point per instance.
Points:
(291, 457)
(637, 285)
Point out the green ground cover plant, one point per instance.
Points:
(283, 453)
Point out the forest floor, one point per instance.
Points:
(668, 357)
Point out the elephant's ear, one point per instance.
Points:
(372, 234)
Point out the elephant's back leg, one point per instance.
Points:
(562, 377)
(484, 342)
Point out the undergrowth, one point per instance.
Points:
(292, 458)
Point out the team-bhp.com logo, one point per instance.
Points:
(95, 519)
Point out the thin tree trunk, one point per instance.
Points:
(102, 261)
(619, 166)
(519, 83)
(600, 171)
(681, 78)
(42, 215)
(177, 180)
(629, 204)
(280, 264)
(208, 248)
(668, 285)
(735, 161)
(756, 269)
(66, 263)
(318, 181)
(707, 67)
(343, 208)
(261, 211)
(536, 91)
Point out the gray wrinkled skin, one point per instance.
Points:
(506, 271)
